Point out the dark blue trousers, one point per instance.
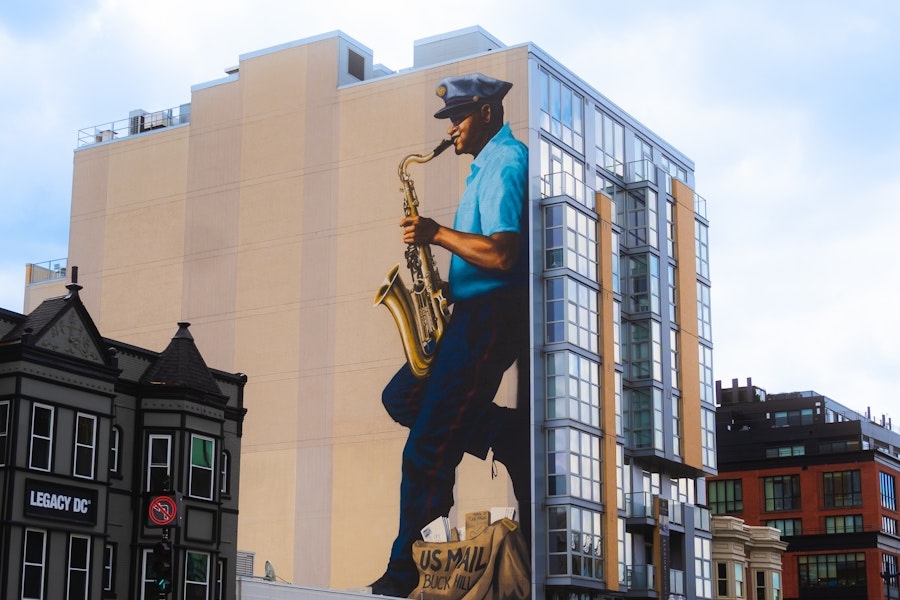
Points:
(451, 411)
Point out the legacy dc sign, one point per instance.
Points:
(62, 502)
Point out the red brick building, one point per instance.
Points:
(824, 475)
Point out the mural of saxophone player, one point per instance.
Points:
(452, 410)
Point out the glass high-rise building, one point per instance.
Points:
(265, 212)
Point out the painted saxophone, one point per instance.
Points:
(420, 312)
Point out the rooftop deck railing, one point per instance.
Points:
(138, 121)
(50, 270)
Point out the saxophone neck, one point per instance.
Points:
(421, 158)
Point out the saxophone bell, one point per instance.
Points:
(420, 314)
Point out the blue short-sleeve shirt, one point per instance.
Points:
(493, 202)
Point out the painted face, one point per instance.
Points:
(468, 130)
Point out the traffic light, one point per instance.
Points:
(161, 561)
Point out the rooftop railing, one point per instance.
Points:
(50, 270)
(138, 121)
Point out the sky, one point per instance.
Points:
(788, 108)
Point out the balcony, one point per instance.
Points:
(639, 510)
(50, 270)
(138, 121)
(641, 580)
(640, 171)
(565, 184)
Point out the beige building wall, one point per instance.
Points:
(268, 223)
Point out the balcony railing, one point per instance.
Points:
(138, 121)
(639, 504)
(565, 184)
(640, 577)
(50, 270)
(640, 170)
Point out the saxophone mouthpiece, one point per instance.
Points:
(444, 145)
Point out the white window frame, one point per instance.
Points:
(115, 448)
(41, 566)
(85, 569)
(109, 567)
(151, 466)
(48, 439)
(202, 494)
(146, 579)
(225, 473)
(80, 446)
(188, 573)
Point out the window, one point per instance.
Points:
(888, 491)
(721, 579)
(643, 283)
(760, 585)
(196, 576)
(109, 568)
(115, 445)
(782, 492)
(220, 580)
(571, 313)
(639, 218)
(704, 312)
(562, 111)
(562, 174)
(788, 527)
(225, 473)
(701, 245)
(708, 424)
(888, 525)
(609, 139)
(644, 418)
(79, 567)
(844, 524)
(788, 418)
(159, 460)
(573, 388)
(707, 386)
(570, 240)
(85, 444)
(832, 570)
(776, 585)
(202, 453)
(573, 464)
(149, 591)
(676, 426)
(670, 229)
(703, 567)
(673, 171)
(645, 350)
(738, 580)
(33, 565)
(725, 496)
(576, 546)
(4, 431)
(781, 451)
(41, 449)
(673, 293)
(620, 425)
(842, 488)
(641, 167)
(889, 566)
